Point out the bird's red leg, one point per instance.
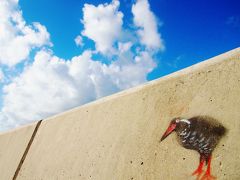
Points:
(199, 170)
(207, 175)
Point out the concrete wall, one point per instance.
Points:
(12, 147)
(117, 137)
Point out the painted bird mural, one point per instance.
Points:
(199, 133)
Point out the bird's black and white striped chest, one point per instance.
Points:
(191, 138)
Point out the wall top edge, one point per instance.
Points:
(196, 67)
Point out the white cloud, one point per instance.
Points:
(16, 38)
(79, 41)
(145, 20)
(123, 47)
(102, 24)
(1, 75)
(48, 86)
(51, 85)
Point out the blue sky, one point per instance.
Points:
(44, 70)
(192, 30)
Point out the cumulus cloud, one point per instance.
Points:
(1, 75)
(145, 20)
(16, 38)
(49, 84)
(103, 25)
(123, 47)
(79, 41)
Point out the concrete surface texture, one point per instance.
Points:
(12, 147)
(117, 137)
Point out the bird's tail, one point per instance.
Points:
(221, 130)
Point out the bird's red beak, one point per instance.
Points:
(169, 130)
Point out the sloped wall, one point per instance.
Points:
(117, 137)
(12, 147)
